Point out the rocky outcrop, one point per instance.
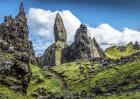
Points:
(59, 29)
(54, 54)
(137, 46)
(16, 52)
(84, 47)
(15, 71)
(15, 32)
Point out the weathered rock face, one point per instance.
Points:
(15, 32)
(15, 71)
(16, 52)
(54, 54)
(84, 47)
(59, 29)
(97, 50)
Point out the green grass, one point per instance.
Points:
(129, 95)
(51, 84)
(73, 77)
(6, 92)
(103, 79)
(115, 52)
(79, 80)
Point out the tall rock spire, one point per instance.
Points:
(21, 14)
(21, 9)
(22, 22)
(59, 29)
(54, 55)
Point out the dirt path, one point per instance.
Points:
(59, 76)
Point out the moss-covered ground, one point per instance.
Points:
(120, 51)
(84, 77)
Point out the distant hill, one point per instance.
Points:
(121, 51)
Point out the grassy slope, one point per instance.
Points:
(130, 95)
(103, 79)
(73, 77)
(50, 83)
(85, 81)
(116, 53)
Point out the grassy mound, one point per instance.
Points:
(121, 51)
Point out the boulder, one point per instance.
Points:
(25, 57)
(10, 49)
(5, 46)
(5, 67)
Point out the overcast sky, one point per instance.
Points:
(109, 21)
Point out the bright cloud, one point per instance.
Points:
(105, 33)
(41, 24)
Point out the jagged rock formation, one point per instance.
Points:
(82, 48)
(54, 54)
(16, 52)
(59, 30)
(15, 32)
